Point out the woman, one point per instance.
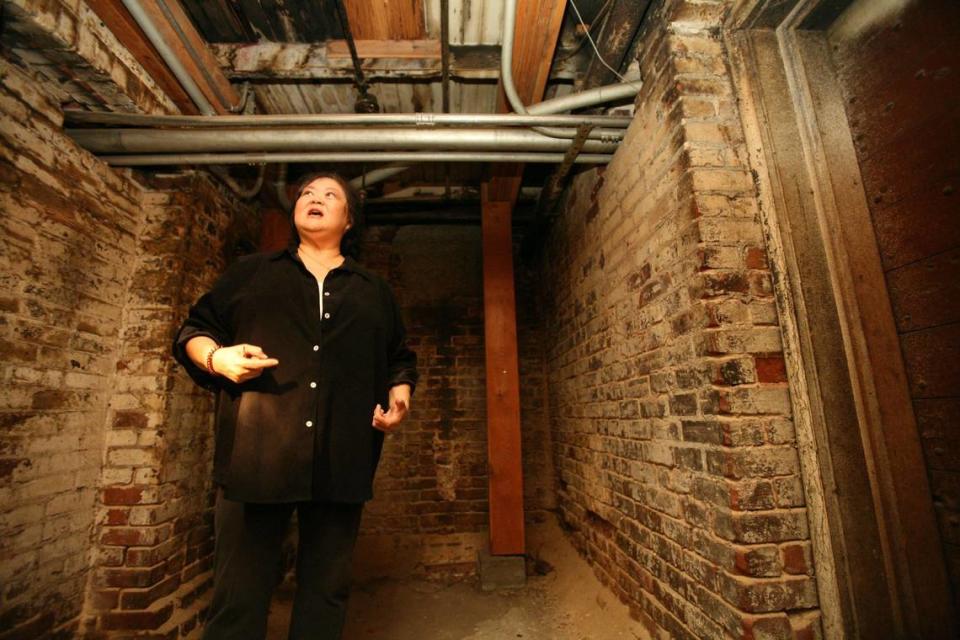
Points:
(305, 348)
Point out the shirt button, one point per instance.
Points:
(326, 315)
(313, 385)
(316, 347)
(326, 293)
(309, 423)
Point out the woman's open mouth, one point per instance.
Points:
(314, 212)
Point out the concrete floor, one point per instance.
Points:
(568, 603)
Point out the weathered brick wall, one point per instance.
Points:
(674, 448)
(154, 555)
(70, 227)
(78, 59)
(103, 455)
(430, 510)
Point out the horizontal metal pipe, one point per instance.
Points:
(589, 98)
(297, 139)
(377, 175)
(583, 99)
(337, 157)
(345, 119)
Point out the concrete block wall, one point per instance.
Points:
(677, 466)
(105, 512)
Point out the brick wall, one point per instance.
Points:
(675, 455)
(429, 514)
(69, 231)
(103, 456)
(154, 527)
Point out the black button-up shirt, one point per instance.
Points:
(303, 429)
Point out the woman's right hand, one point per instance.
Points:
(241, 362)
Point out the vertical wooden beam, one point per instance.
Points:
(535, 39)
(538, 25)
(503, 380)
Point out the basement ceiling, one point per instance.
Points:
(284, 49)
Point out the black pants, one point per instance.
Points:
(247, 567)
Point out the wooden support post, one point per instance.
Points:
(503, 381)
(538, 26)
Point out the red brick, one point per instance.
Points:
(771, 368)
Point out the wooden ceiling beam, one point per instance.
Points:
(534, 43)
(118, 20)
(380, 20)
(400, 49)
(182, 37)
(284, 61)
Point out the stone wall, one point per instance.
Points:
(670, 412)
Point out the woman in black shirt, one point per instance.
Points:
(307, 351)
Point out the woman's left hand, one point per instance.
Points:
(399, 405)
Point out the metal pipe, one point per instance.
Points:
(280, 187)
(246, 193)
(366, 103)
(607, 93)
(290, 139)
(594, 96)
(164, 159)
(377, 175)
(144, 21)
(445, 54)
(422, 120)
(195, 56)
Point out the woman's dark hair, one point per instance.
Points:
(350, 243)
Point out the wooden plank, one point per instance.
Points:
(122, 25)
(503, 381)
(379, 20)
(312, 61)
(926, 293)
(876, 358)
(535, 39)
(397, 49)
(211, 72)
(207, 75)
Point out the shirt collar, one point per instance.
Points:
(349, 264)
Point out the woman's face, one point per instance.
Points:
(321, 210)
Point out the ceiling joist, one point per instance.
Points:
(382, 60)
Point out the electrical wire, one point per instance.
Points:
(597, 20)
(594, 44)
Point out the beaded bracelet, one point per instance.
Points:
(209, 359)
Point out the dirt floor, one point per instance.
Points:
(568, 603)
